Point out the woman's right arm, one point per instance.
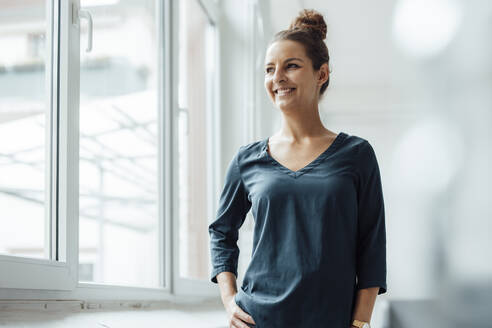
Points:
(227, 285)
(224, 232)
(228, 289)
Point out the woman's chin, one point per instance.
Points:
(285, 105)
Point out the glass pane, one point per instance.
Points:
(119, 222)
(24, 101)
(196, 45)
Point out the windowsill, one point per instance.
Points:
(209, 313)
(185, 312)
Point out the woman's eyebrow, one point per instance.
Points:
(287, 60)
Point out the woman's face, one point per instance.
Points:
(290, 80)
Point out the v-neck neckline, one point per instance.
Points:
(295, 174)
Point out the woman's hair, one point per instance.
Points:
(309, 29)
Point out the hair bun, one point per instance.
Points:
(312, 20)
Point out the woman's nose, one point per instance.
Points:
(278, 76)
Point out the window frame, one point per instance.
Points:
(187, 286)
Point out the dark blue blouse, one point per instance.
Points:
(319, 233)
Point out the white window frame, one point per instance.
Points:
(38, 279)
(186, 286)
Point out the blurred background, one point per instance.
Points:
(413, 77)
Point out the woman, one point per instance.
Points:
(319, 246)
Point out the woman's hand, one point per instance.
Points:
(237, 317)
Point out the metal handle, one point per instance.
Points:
(77, 14)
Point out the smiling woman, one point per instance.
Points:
(319, 245)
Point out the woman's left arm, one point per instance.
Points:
(364, 304)
(371, 236)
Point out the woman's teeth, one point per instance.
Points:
(284, 92)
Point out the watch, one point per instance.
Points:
(361, 324)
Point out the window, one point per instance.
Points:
(36, 179)
(197, 140)
(88, 175)
(25, 84)
(119, 145)
(196, 92)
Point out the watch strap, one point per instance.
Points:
(359, 323)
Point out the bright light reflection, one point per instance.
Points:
(429, 156)
(423, 28)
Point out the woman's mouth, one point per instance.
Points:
(284, 91)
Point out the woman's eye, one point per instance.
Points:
(288, 66)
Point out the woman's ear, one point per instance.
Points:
(323, 74)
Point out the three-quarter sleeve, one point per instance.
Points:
(371, 238)
(224, 230)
